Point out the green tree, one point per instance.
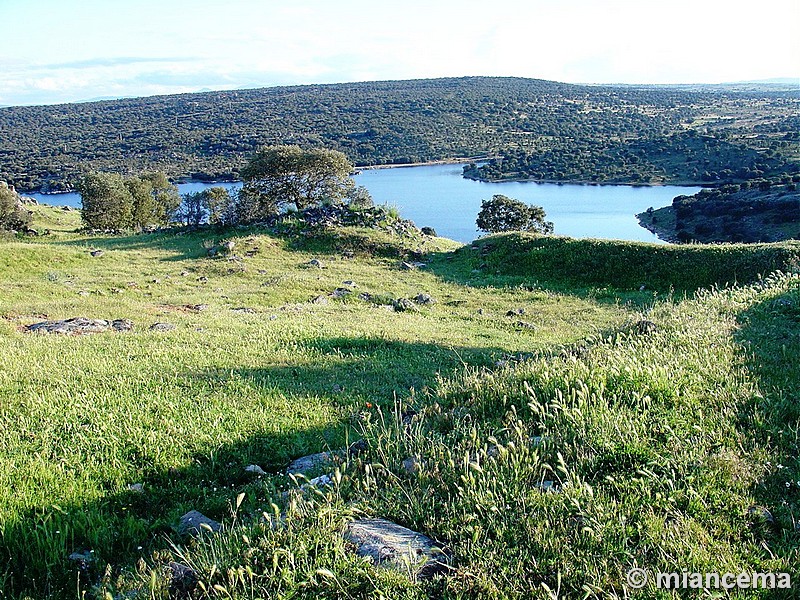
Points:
(106, 201)
(12, 214)
(502, 213)
(193, 208)
(279, 176)
(218, 202)
(166, 196)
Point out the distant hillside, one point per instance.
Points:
(209, 135)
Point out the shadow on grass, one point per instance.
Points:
(770, 338)
(123, 526)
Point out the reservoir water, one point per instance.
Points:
(438, 196)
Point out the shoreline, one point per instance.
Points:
(430, 163)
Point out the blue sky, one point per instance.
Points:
(71, 50)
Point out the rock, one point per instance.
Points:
(403, 305)
(66, 208)
(406, 266)
(315, 263)
(136, 487)
(411, 465)
(244, 310)
(424, 299)
(515, 312)
(162, 327)
(341, 292)
(645, 327)
(319, 300)
(312, 462)
(547, 486)
(195, 523)
(82, 560)
(759, 514)
(391, 545)
(196, 307)
(183, 581)
(121, 325)
(524, 325)
(184, 273)
(429, 231)
(228, 246)
(349, 283)
(202, 279)
(96, 253)
(255, 470)
(480, 311)
(213, 251)
(79, 326)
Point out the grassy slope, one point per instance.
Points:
(660, 443)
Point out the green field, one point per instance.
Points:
(673, 449)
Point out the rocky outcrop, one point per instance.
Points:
(391, 545)
(79, 326)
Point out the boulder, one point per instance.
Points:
(80, 326)
(424, 299)
(195, 523)
(645, 327)
(162, 327)
(391, 545)
(183, 581)
(403, 305)
(429, 231)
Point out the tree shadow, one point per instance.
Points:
(129, 524)
(769, 335)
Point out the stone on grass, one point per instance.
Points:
(645, 327)
(403, 305)
(320, 300)
(424, 299)
(79, 326)
(183, 581)
(341, 292)
(97, 253)
(312, 462)
(195, 523)
(162, 327)
(411, 465)
(315, 262)
(391, 545)
(255, 470)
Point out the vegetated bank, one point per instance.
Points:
(762, 211)
(208, 136)
(544, 419)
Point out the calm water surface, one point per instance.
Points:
(437, 196)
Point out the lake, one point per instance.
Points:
(438, 196)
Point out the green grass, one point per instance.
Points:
(659, 444)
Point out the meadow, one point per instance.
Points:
(557, 441)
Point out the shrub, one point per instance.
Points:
(501, 214)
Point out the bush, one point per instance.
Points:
(12, 214)
(501, 214)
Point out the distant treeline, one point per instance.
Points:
(210, 136)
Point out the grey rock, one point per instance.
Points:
(391, 545)
(79, 326)
(183, 581)
(196, 307)
(411, 465)
(403, 305)
(320, 300)
(349, 283)
(312, 462)
(645, 327)
(136, 487)
(315, 262)
(162, 327)
(244, 310)
(515, 312)
(97, 253)
(228, 246)
(255, 470)
(424, 299)
(341, 292)
(429, 231)
(524, 325)
(195, 523)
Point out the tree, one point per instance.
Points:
(502, 213)
(218, 202)
(111, 201)
(193, 208)
(278, 176)
(106, 201)
(12, 214)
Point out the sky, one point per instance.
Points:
(54, 51)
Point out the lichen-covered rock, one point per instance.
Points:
(391, 545)
(80, 326)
